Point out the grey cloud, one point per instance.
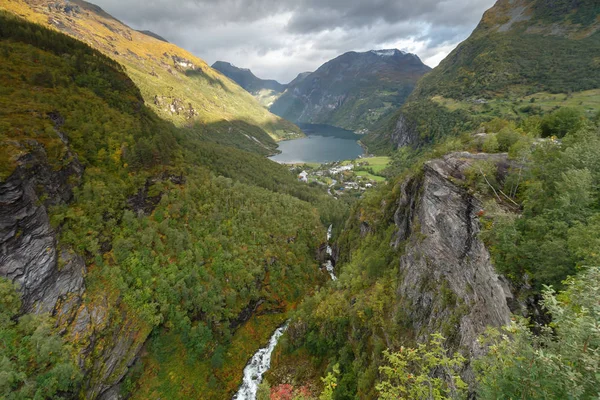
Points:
(280, 38)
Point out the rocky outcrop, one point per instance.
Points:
(51, 277)
(28, 248)
(175, 106)
(404, 133)
(447, 281)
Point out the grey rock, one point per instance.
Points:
(447, 281)
(28, 248)
(404, 134)
(52, 278)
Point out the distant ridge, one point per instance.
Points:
(264, 90)
(154, 35)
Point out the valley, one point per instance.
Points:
(375, 229)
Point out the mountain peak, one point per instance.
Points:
(263, 90)
(388, 52)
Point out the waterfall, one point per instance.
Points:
(329, 265)
(256, 368)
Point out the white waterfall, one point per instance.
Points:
(329, 265)
(256, 368)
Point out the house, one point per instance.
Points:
(303, 177)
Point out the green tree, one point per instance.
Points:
(330, 383)
(562, 362)
(561, 122)
(34, 361)
(425, 372)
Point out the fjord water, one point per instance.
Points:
(322, 144)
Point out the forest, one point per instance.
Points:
(180, 233)
(196, 247)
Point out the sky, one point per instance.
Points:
(278, 39)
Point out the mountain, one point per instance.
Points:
(265, 91)
(175, 84)
(482, 210)
(522, 52)
(301, 76)
(137, 247)
(154, 35)
(354, 91)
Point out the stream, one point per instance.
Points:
(329, 265)
(256, 368)
(261, 361)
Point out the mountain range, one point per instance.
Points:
(177, 85)
(149, 248)
(355, 91)
(265, 91)
(499, 67)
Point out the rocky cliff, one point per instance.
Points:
(447, 281)
(51, 277)
(410, 264)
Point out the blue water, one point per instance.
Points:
(322, 144)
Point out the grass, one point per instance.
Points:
(368, 175)
(378, 164)
(588, 100)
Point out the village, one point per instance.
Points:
(350, 177)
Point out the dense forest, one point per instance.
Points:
(539, 222)
(471, 272)
(180, 235)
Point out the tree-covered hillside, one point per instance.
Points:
(176, 85)
(178, 240)
(522, 50)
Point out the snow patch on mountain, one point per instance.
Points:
(387, 52)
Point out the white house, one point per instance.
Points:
(303, 177)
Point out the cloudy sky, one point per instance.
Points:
(278, 39)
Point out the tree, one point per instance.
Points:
(561, 122)
(330, 383)
(426, 372)
(562, 362)
(34, 361)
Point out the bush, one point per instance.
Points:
(562, 122)
(426, 372)
(563, 362)
(506, 138)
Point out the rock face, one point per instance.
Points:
(51, 278)
(404, 133)
(28, 252)
(354, 91)
(447, 282)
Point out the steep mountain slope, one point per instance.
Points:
(265, 91)
(175, 84)
(154, 35)
(522, 51)
(301, 76)
(410, 264)
(122, 230)
(354, 91)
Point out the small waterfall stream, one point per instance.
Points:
(256, 368)
(261, 361)
(329, 264)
